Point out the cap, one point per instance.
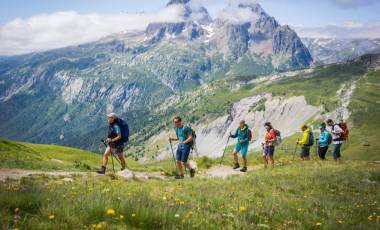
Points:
(111, 115)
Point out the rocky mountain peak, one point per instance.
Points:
(254, 7)
(174, 2)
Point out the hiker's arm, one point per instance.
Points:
(234, 135)
(337, 130)
(173, 138)
(188, 140)
(304, 138)
(116, 138)
(118, 133)
(189, 135)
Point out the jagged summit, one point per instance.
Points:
(256, 7)
(173, 2)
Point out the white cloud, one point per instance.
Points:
(234, 14)
(61, 29)
(350, 30)
(353, 3)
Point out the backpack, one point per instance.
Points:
(311, 139)
(250, 135)
(278, 137)
(124, 129)
(346, 132)
(192, 131)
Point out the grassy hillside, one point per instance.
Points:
(309, 195)
(365, 107)
(45, 157)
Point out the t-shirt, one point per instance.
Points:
(337, 131)
(271, 135)
(180, 133)
(324, 139)
(114, 131)
(242, 135)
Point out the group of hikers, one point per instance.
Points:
(330, 133)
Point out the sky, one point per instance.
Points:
(33, 25)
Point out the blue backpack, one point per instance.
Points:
(311, 139)
(124, 129)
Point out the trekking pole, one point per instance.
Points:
(113, 165)
(294, 154)
(228, 140)
(317, 144)
(175, 163)
(112, 155)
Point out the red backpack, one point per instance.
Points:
(346, 132)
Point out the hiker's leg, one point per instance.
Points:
(302, 154)
(185, 158)
(179, 160)
(106, 154)
(236, 159)
(307, 154)
(236, 151)
(122, 160)
(245, 161)
(265, 159)
(271, 159)
(337, 152)
(179, 165)
(271, 155)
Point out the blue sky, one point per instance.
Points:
(309, 13)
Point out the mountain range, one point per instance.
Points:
(61, 96)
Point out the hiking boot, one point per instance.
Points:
(192, 173)
(236, 166)
(102, 170)
(244, 169)
(179, 177)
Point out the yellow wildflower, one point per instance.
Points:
(182, 203)
(51, 217)
(318, 224)
(121, 217)
(242, 209)
(133, 214)
(111, 212)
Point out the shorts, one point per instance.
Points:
(117, 149)
(243, 149)
(336, 151)
(183, 152)
(322, 152)
(305, 152)
(269, 150)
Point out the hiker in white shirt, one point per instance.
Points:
(336, 132)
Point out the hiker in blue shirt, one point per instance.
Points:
(323, 141)
(114, 143)
(243, 135)
(185, 138)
